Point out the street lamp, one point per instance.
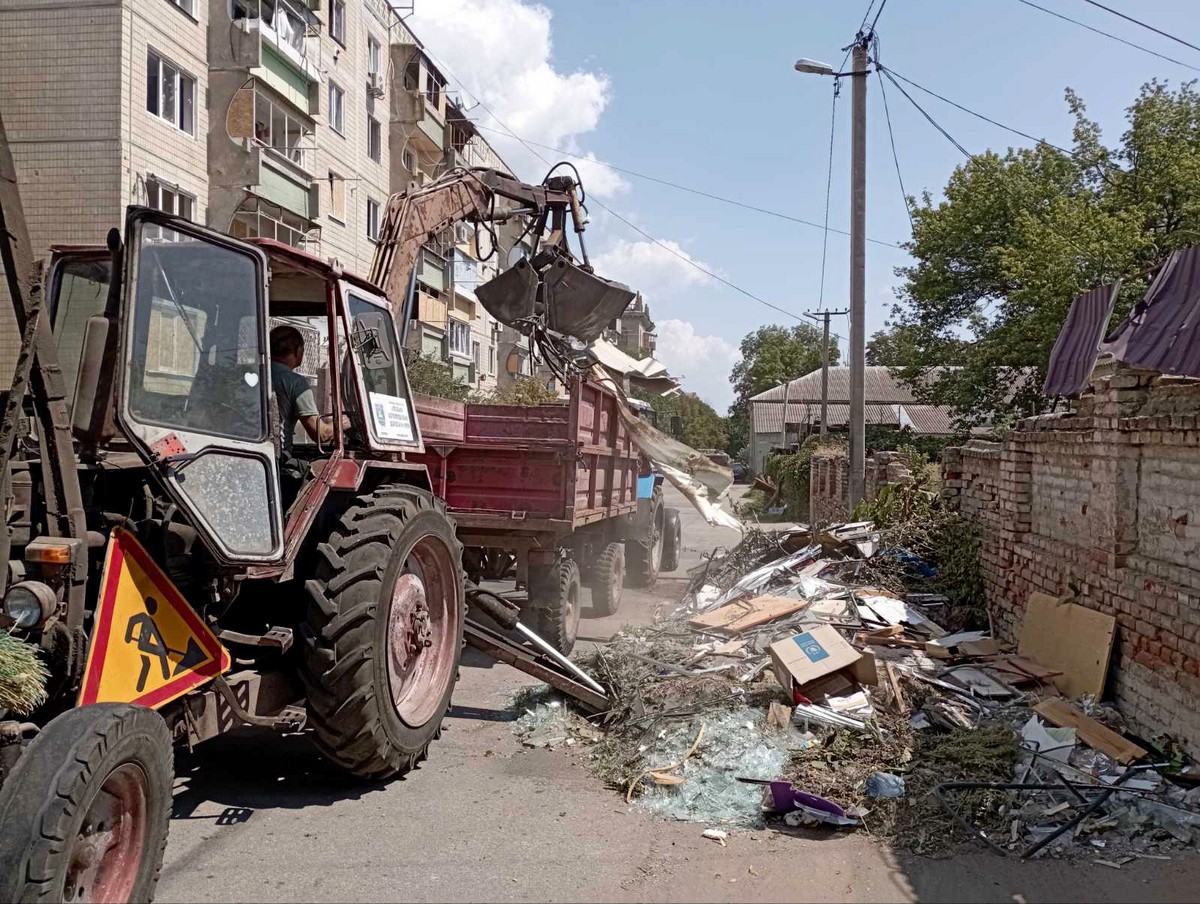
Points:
(858, 257)
(814, 67)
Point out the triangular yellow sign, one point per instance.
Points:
(148, 645)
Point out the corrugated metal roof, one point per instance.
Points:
(923, 419)
(1163, 331)
(879, 384)
(1078, 343)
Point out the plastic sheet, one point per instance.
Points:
(734, 745)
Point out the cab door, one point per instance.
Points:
(193, 385)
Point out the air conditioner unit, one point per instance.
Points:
(374, 85)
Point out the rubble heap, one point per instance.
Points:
(792, 686)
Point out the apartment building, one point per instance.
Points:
(289, 119)
(633, 332)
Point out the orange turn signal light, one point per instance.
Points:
(49, 553)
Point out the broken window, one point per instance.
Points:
(337, 197)
(372, 219)
(374, 139)
(337, 108)
(170, 93)
(337, 21)
(188, 6)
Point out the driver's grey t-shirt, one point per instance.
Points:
(295, 396)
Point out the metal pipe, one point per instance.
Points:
(560, 659)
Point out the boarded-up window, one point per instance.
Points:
(337, 197)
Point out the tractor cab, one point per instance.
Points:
(192, 395)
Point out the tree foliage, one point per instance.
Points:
(432, 377)
(1018, 235)
(521, 390)
(770, 355)
(703, 428)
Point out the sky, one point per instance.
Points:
(704, 95)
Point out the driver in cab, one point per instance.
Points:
(293, 391)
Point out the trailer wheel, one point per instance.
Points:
(385, 632)
(609, 580)
(84, 813)
(643, 554)
(672, 540)
(554, 604)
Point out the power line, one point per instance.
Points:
(977, 115)
(1106, 34)
(969, 155)
(828, 190)
(683, 257)
(686, 188)
(1157, 31)
(878, 13)
(895, 157)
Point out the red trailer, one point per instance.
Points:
(553, 489)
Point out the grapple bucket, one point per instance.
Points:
(512, 295)
(579, 303)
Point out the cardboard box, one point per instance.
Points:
(801, 660)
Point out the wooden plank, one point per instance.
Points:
(1058, 711)
(744, 614)
(1069, 638)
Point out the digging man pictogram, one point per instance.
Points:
(149, 642)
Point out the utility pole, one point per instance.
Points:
(858, 252)
(858, 271)
(824, 316)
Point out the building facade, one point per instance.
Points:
(288, 119)
(633, 332)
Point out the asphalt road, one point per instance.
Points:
(263, 818)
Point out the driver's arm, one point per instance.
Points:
(319, 430)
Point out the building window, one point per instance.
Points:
(372, 58)
(460, 338)
(283, 131)
(410, 161)
(337, 197)
(259, 220)
(491, 360)
(374, 139)
(337, 108)
(170, 94)
(188, 6)
(169, 199)
(372, 220)
(433, 90)
(337, 21)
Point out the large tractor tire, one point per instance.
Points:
(84, 813)
(385, 632)
(608, 580)
(554, 604)
(672, 540)
(644, 550)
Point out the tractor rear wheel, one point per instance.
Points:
(385, 632)
(554, 604)
(672, 540)
(608, 580)
(84, 813)
(643, 552)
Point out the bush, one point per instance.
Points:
(431, 377)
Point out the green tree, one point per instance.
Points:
(432, 377)
(899, 346)
(703, 428)
(770, 356)
(998, 260)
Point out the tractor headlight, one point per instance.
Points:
(29, 604)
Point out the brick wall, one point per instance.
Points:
(829, 482)
(1103, 501)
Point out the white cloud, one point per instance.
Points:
(501, 52)
(704, 362)
(656, 271)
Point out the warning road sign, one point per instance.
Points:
(148, 645)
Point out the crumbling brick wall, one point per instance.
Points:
(1102, 504)
(829, 483)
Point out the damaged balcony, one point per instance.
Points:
(419, 110)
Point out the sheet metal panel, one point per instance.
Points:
(1163, 331)
(1078, 344)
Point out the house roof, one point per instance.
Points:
(880, 384)
(925, 419)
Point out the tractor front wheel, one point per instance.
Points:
(84, 813)
(385, 632)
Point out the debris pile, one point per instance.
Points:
(791, 686)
